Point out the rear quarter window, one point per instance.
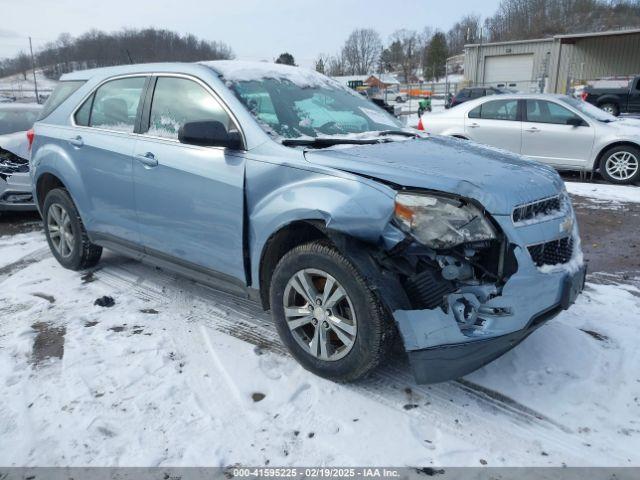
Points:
(63, 91)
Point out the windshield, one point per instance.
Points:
(17, 120)
(589, 110)
(293, 110)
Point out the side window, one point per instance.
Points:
(477, 93)
(475, 113)
(83, 114)
(464, 93)
(177, 101)
(500, 110)
(115, 104)
(541, 111)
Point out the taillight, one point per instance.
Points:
(30, 136)
(584, 96)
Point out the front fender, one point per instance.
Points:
(279, 195)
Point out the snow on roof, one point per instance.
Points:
(242, 71)
(387, 78)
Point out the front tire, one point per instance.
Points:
(65, 232)
(621, 165)
(611, 108)
(327, 315)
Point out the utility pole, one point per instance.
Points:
(33, 69)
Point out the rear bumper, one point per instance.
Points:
(450, 361)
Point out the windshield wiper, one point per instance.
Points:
(400, 133)
(321, 142)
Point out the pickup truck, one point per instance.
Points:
(615, 100)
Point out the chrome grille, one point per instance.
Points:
(552, 253)
(546, 206)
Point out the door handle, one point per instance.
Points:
(76, 141)
(532, 130)
(147, 159)
(473, 125)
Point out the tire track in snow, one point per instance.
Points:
(33, 257)
(497, 417)
(449, 406)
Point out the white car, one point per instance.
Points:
(396, 95)
(561, 131)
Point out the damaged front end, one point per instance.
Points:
(475, 286)
(15, 183)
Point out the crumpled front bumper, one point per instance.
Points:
(439, 348)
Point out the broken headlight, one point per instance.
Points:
(441, 222)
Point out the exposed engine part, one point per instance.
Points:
(464, 308)
(454, 269)
(11, 163)
(427, 289)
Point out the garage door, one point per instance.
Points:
(515, 71)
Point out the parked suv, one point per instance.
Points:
(349, 232)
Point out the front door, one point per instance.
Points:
(546, 137)
(189, 198)
(495, 123)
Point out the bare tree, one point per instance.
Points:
(404, 52)
(100, 49)
(361, 51)
(336, 65)
(466, 30)
(322, 63)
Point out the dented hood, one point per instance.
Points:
(497, 179)
(16, 143)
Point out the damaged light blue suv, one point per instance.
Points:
(280, 184)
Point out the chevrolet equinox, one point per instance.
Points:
(280, 184)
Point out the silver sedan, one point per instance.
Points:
(561, 131)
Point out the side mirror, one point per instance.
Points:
(575, 122)
(209, 133)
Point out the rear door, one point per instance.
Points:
(495, 123)
(102, 144)
(546, 137)
(189, 199)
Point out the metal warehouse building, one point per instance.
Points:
(554, 64)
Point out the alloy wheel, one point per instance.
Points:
(622, 165)
(320, 314)
(60, 231)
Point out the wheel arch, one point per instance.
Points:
(609, 146)
(44, 184)
(279, 243)
(608, 99)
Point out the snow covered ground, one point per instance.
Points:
(18, 86)
(178, 374)
(605, 193)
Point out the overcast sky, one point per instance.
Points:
(255, 29)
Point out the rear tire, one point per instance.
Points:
(611, 108)
(65, 232)
(357, 331)
(621, 165)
